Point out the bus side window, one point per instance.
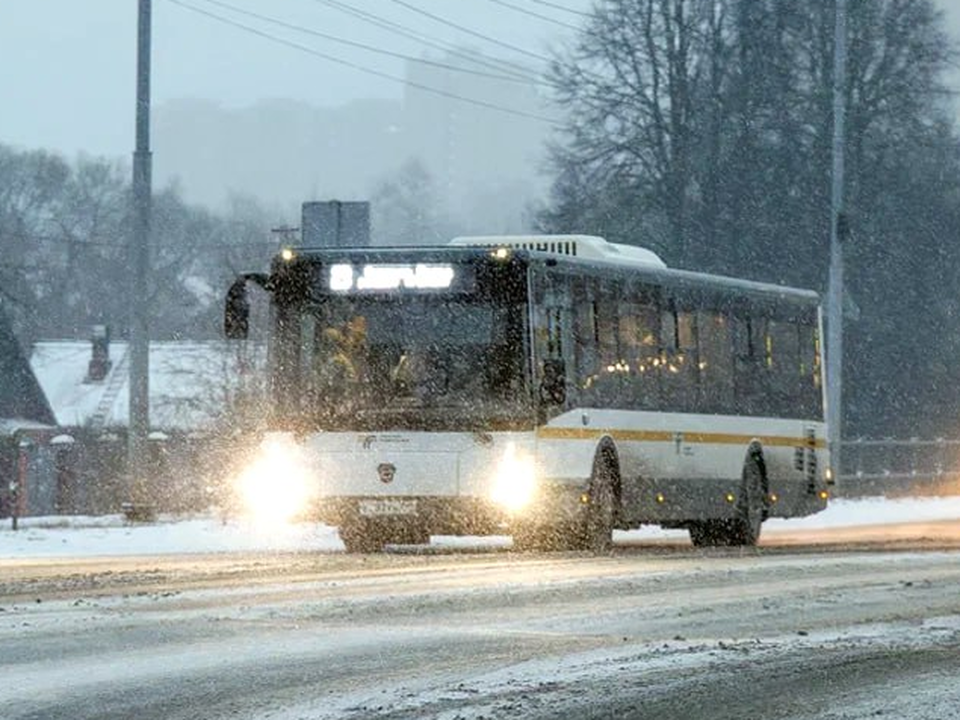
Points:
(751, 364)
(639, 331)
(716, 363)
(552, 331)
(784, 365)
(586, 358)
(602, 387)
(678, 359)
(811, 392)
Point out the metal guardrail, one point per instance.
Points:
(873, 466)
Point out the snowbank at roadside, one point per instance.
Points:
(874, 511)
(113, 535)
(49, 537)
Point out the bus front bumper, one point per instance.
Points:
(439, 515)
(458, 515)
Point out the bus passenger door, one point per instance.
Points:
(552, 343)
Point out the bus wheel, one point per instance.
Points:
(409, 535)
(360, 537)
(545, 537)
(744, 529)
(708, 533)
(529, 538)
(596, 533)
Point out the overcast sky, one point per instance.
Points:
(68, 66)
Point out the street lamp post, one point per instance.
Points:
(838, 233)
(139, 421)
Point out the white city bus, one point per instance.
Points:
(550, 387)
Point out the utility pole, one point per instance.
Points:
(838, 233)
(139, 409)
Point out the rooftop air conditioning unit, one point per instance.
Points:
(588, 247)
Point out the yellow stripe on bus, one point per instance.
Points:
(564, 433)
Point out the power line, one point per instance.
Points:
(428, 40)
(537, 15)
(362, 68)
(557, 6)
(65, 242)
(468, 31)
(495, 41)
(362, 46)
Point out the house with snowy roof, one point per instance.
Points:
(23, 406)
(195, 388)
(26, 421)
(193, 384)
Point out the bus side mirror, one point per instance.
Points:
(553, 384)
(236, 315)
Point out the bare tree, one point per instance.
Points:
(64, 230)
(704, 128)
(31, 186)
(633, 87)
(406, 209)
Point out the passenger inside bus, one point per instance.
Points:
(553, 383)
(418, 373)
(417, 353)
(342, 356)
(408, 371)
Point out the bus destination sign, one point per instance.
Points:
(385, 277)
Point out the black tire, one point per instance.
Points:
(360, 537)
(592, 533)
(535, 537)
(744, 528)
(708, 533)
(407, 535)
(595, 533)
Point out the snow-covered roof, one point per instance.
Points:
(22, 404)
(189, 382)
(9, 426)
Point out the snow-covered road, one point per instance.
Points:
(847, 625)
(60, 537)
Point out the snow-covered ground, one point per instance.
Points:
(110, 535)
(847, 634)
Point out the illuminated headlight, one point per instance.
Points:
(278, 484)
(515, 481)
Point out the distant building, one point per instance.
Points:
(486, 156)
(485, 163)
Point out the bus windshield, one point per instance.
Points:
(369, 362)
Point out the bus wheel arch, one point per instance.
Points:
(608, 458)
(358, 536)
(603, 509)
(756, 456)
(752, 498)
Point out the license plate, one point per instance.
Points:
(379, 508)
